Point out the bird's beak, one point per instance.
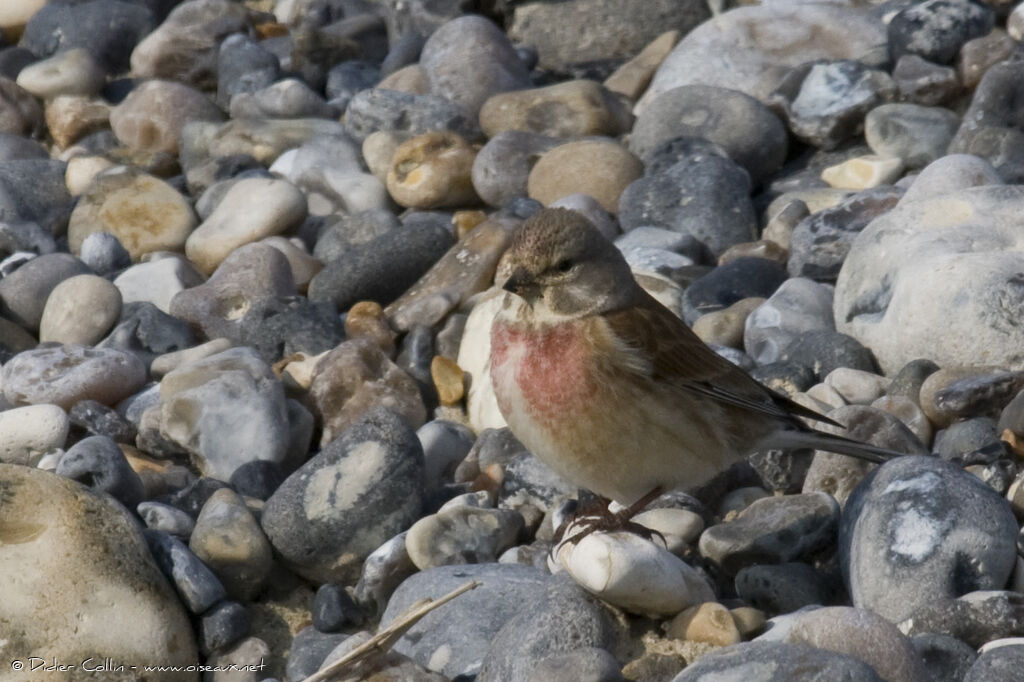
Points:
(520, 283)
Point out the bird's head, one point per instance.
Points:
(559, 263)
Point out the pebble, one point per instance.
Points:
(598, 168)
(772, 530)
(574, 108)
(80, 310)
(104, 254)
(84, 550)
(243, 66)
(936, 29)
(781, 588)
(469, 59)
(957, 392)
(748, 131)
(726, 327)
(20, 113)
(586, 664)
(432, 170)
(71, 72)
(858, 633)
(946, 659)
(986, 130)
(798, 306)
(223, 625)
(197, 586)
(228, 539)
(758, 45)
(164, 517)
(152, 116)
(73, 117)
(905, 532)
(978, 54)
(462, 535)
(915, 134)
(377, 109)
(825, 102)
(864, 172)
(704, 196)
(143, 212)
(729, 283)
(1000, 664)
(855, 386)
(251, 210)
(28, 433)
(24, 292)
(357, 492)
(772, 661)
(98, 462)
(227, 411)
(709, 623)
(975, 618)
(333, 609)
(65, 375)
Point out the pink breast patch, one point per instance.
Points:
(551, 371)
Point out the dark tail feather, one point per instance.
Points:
(819, 440)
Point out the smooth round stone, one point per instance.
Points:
(243, 66)
(863, 172)
(250, 274)
(906, 529)
(82, 170)
(908, 412)
(145, 213)
(725, 327)
(756, 46)
(577, 34)
(935, 29)
(72, 72)
(227, 410)
(164, 517)
(976, 618)
(679, 527)
(632, 573)
(945, 658)
(80, 310)
(469, 59)
(353, 378)
(462, 535)
(329, 173)
(152, 116)
(764, 661)
(586, 664)
(708, 623)
(14, 15)
(825, 102)
(569, 109)
(196, 584)
(69, 118)
(502, 166)
(288, 98)
(333, 609)
(251, 210)
(858, 633)
(98, 462)
(918, 135)
(185, 46)
(65, 375)
(157, 281)
(104, 253)
(819, 243)
(748, 131)
(773, 530)
(988, 124)
(856, 386)
(410, 78)
(960, 392)
(729, 283)
(84, 550)
(24, 292)
(342, 504)
(978, 54)
(304, 266)
(1000, 664)
(383, 570)
(964, 437)
(601, 169)
(781, 588)
(432, 170)
(230, 541)
(379, 149)
(704, 196)
(28, 433)
(20, 113)
(223, 625)
(971, 262)
(344, 80)
(377, 109)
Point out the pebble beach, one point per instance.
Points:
(250, 254)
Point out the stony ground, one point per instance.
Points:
(247, 252)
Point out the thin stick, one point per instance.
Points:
(387, 637)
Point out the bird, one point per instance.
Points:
(612, 390)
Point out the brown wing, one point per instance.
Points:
(678, 357)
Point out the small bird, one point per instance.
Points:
(613, 391)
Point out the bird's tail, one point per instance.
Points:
(819, 440)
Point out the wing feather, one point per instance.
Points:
(676, 356)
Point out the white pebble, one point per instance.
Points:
(27, 433)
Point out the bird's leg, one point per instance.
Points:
(593, 515)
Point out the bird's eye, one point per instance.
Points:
(564, 265)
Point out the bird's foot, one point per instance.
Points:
(593, 515)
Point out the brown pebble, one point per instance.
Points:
(366, 320)
(433, 170)
(465, 221)
(709, 622)
(763, 248)
(749, 621)
(448, 379)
